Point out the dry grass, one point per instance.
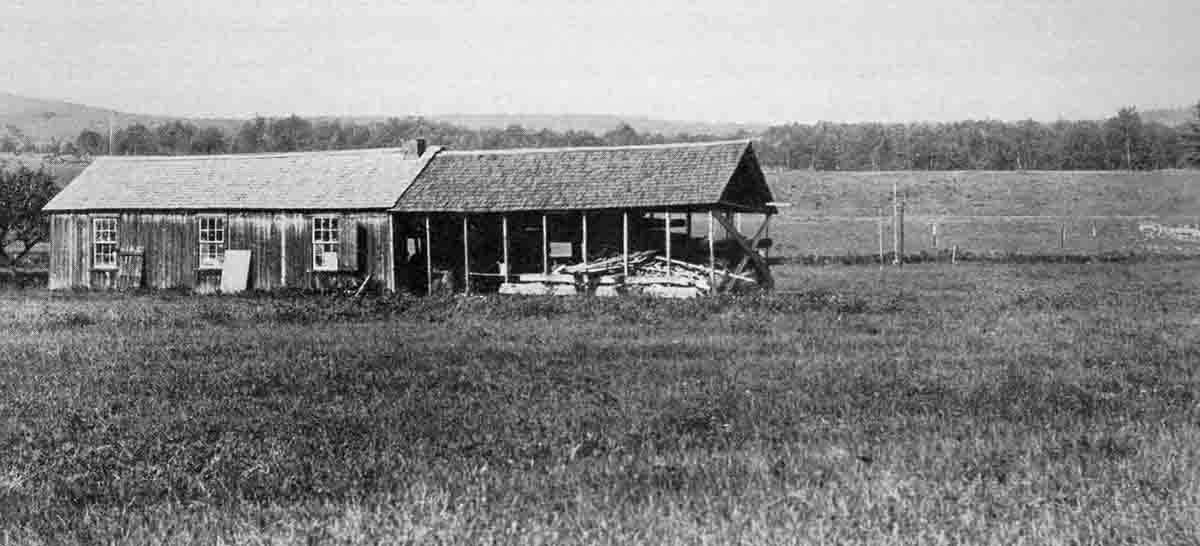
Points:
(1038, 404)
(986, 212)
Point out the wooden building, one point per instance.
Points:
(405, 219)
(308, 219)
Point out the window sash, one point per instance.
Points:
(212, 241)
(324, 239)
(104, 243)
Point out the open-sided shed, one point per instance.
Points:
(494, 217)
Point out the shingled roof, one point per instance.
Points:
(660, 176)
(342, 180)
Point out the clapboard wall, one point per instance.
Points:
(280, 244)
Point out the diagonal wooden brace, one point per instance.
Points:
(750, 247)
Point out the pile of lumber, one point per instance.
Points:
(648, 274)
(608, 266)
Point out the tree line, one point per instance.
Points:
(294, 133)
(1121, 142)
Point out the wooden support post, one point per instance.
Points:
(712, 255)
(881, 258)
(625, 243)
(428, 255)
(583, 244)
(1062, 236)
(391, 255)
(767, 235)
(749, 246)
(667, 235)
(545, 245)
(283, 257)
(933, 234)
(504, 241)
(466, 257)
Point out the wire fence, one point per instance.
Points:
(988, 236)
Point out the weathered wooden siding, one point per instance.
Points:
(280, 246)
(259, 234)
(375, 236)
(297, 242)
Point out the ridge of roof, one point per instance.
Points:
(260, 155)
(667, 146)
(423, 162)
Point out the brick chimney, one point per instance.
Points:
(420, 147)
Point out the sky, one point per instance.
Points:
(728, 61)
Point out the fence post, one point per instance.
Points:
(897, 223)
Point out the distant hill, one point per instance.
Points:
(596, 123)
(43, 120)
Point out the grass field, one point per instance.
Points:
(1007, 404)
(1025, 213)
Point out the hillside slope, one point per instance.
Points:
(596, 123)
(43, 120)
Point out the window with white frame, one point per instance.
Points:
(212, 242)
(325, 243)
(104, 243)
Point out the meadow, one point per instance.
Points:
(990, 213)
(998, 404)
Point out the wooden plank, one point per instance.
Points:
(57, 264)
(546, 278)
(662, 279)
(187, 251)
(83, 247)
(300, 250)
(562, 249)
(235, 271)
(129, 268)
(347, 244)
